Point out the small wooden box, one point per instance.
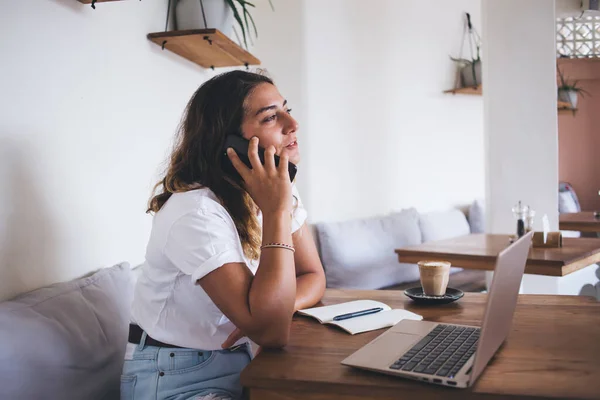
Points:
(554, 239)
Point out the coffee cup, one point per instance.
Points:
(434, 276)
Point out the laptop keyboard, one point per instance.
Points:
(443, 352)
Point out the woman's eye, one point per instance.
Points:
(274, 116)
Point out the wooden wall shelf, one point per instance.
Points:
(466, 90)
(97, 1)
(564, 106)
(206, 47)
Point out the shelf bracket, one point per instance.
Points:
(94, 4)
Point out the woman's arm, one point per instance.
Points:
(310, 277)
(261, 306)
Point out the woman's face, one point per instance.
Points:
(268, 118)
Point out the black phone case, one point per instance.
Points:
(240, 145)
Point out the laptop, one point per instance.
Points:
(449, 354)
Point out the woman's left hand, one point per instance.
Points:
(236, 335)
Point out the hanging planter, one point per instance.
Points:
(568, 96)
(469, 69)
(569, 92)
(470, 72)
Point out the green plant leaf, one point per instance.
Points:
(246, 13)
(583, 91)
(562, 78)
(566, 86)
(253, 24)
(248, 19)
(237, 17)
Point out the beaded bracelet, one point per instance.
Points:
(278, 245)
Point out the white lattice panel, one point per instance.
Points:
(578, 37)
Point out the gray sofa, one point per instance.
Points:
(359, 254)
(67, 341)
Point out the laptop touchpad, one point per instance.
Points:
(384, 350)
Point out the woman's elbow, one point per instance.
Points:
(274, 337)
(275, 342)
(322, 283)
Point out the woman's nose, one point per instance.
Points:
(291, 125)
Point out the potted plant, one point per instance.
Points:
(470, 69)
(568, 92)
(218, 14)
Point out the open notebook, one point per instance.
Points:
(382, 319)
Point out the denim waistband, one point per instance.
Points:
(143, 344)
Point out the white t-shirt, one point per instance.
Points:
(192, 235)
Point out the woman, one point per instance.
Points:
(229, 257)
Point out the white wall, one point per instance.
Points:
(520, 110)
(280, 48)
(382, 135)
(89, 108)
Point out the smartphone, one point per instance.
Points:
(240, 145)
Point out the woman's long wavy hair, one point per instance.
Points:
(215, 110)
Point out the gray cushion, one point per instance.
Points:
(66, 341)
(360, 253)
(442, 225)
(567, 198)
(566, 203)
(477, 216)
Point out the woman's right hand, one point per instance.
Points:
(268, 185)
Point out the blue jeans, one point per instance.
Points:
(156, 373)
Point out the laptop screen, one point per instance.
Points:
(502, 300)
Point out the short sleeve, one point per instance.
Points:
(299, 213)
(202, 241)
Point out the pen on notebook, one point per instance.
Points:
(357, 313)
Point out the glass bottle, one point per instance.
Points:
(520, 212)
(530, 218)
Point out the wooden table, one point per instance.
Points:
(553, 351)
(479, 251)
(581, 221)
